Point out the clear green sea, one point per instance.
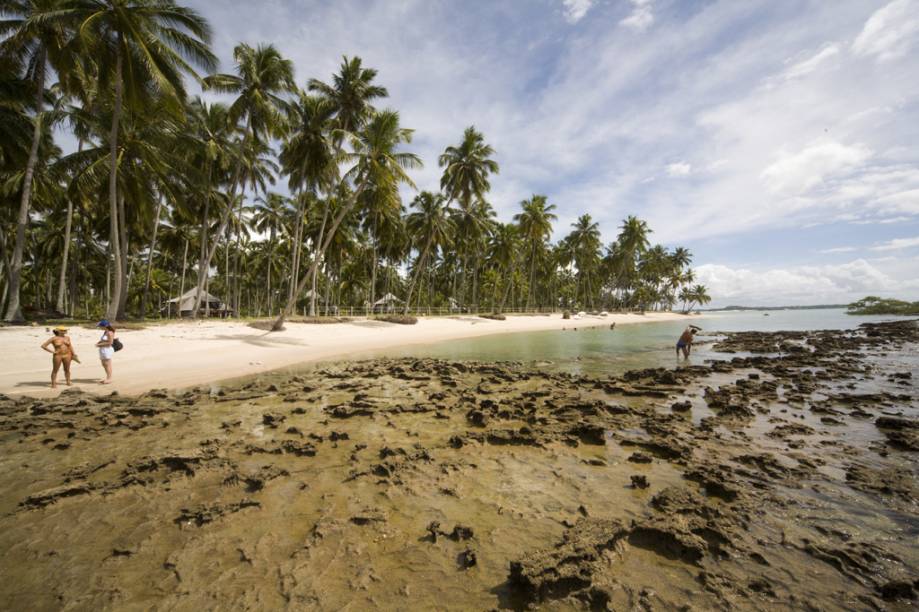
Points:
(601, 351)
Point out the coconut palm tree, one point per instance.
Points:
(465, 181)
(503, 249)
(430, 225)
(584, 243)
(378, 163)
(35, 41)
(270, 213)
(351, 93)
(142, 48)
(535, 228)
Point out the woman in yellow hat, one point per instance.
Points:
(62, 354)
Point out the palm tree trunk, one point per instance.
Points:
(203, 269)
(114, 245)
(156, 225)
(507, 291)
(297, 248)
(421, 262)
(373, 269)
(532, 275)
(13, 310)
(279, 323)
(62, 280)
(270, 265)
(182, 283)
(126, 270)
(316, 259)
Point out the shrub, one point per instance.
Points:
(566, 315)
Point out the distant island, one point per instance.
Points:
(873, 305)
(812, 307)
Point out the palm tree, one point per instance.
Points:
(308, 157)
(263, 78)
(535, 227)
(698, 294)
(431, 225)
(142, 47)
(352, 93)
(270, 212)
(584, 242)
(502, 253)
(34, 40)
(377, 162)
(466, 168)
(465, 181)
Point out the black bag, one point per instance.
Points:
(117, 345)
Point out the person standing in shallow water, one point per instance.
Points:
(62, 354)
(106, 350)
(685, 342)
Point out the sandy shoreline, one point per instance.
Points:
(183, 354)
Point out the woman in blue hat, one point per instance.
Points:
(106, 349)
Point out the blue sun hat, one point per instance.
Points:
(103, 323)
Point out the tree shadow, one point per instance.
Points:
(60, 382)
(265, 340)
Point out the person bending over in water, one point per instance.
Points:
(62, 354)
(685, 341)
(106, 351)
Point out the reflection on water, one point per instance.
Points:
(601, 351)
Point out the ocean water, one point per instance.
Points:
(601, 351)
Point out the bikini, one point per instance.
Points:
(106, 352)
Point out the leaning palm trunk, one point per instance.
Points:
(13, 311)
(205, 265)
(62, 279)
(184, 274)
(156, 225)
(316, 260)
(114, 244)
(279, 322)
(127, 270)
(421, 262)
(507, 290)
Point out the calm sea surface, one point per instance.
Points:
(603, 351)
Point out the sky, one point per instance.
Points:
(777, 139)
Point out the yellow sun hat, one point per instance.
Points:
(60, 328)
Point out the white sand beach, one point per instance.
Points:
(187, 353)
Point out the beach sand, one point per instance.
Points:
(185, 353)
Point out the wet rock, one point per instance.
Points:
(467, 559)
(684, 406)
(638, 457)
(639, 481)
(569, 566)
(204, 514)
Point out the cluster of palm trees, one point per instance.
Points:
(166, 193)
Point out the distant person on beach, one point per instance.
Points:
(685, 342)
(106, 350)
(61, 354)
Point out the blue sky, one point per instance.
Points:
(777, 139)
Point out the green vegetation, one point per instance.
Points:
(167, 193)
(873, 305)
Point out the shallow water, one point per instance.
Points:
(600, 351)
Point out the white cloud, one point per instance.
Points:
(576, 9)
(679, 169)
(641, 17)
(896, 244)
(840, 283)
(890, 32)
(847, 249)
(793, 174)
(811, 64)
